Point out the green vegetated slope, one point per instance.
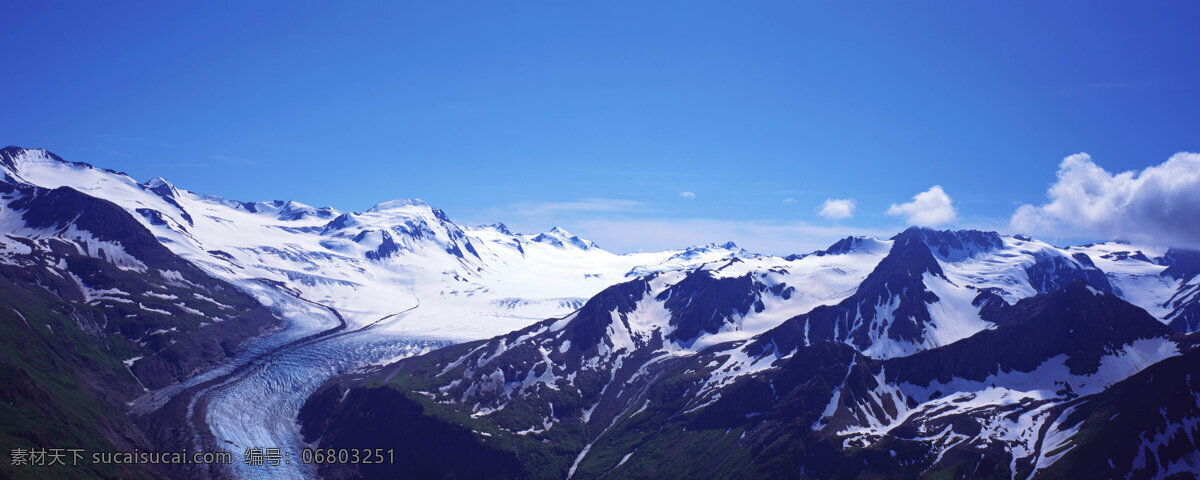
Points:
(84, 331)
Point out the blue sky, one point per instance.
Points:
(598, 116)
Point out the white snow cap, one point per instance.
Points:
(559, 237)
(398, 204)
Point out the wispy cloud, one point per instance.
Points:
(586, 205)
(687, 195)
(179, 165)
(1142, 83)
(227, 158)
(1096, 87)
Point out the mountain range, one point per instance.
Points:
(930, 354)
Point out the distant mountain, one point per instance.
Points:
(561, 238)
(367, 264)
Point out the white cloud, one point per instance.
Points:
(837, 208)
(687, 195)
(930, 208)
(1159, 205)
(789, 200)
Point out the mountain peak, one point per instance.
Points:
(500, 227)
(1181, 264)
(161, 187)
(559, 237)
(157, 182)
(713, 246)
(293, 210)
(954, 245)
(10, 155)
(854, 244)
(398, 204)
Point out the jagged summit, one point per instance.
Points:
(293, 210)
(8, 156)
(559, 237)
(723, 250)
(12, 152)
(714, 245)
(398, 204)
(13, 156)
(855, 244)
(954, 245)
(162, 187)
(500, 227)
(157, 182)
(1181, 264)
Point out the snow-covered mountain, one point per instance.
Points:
(958, 353)
(114, 277)
(896, 355)
(197, 275)
(470, 282)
